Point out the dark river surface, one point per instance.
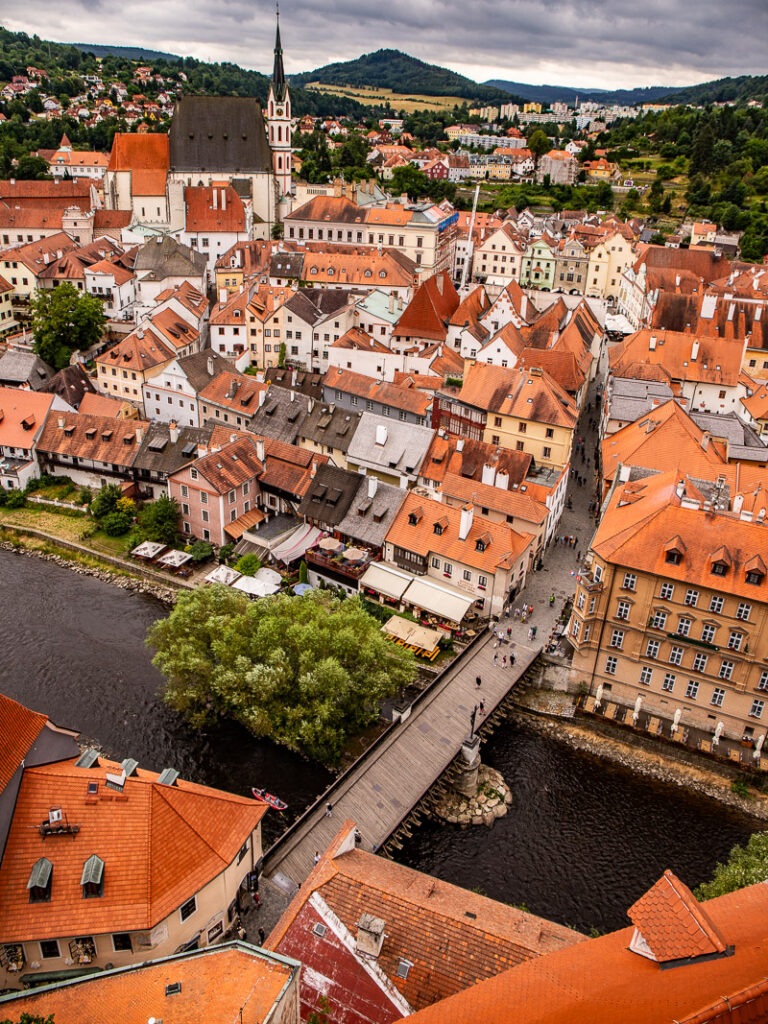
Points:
(581, 842)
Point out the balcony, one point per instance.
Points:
(334, 564)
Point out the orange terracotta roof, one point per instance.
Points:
(22, 414)
(502, 550)
(409, 399)
(202, 214)
(140, 350)
(159, 844)
(757, 403)
(468, 458)
(94, 404)
(562, 367)
(233, 982)
(673, 924)
(234, 464)
(359, 340)
(603, 981)
(519, 503)
(20, 728)
(429, 312)
(34, 254)
(93, 438)
(387, 269)
(471, 308)
(507, 392)
(119, 273)
(718, 360)
(139, 152)
(174, 330)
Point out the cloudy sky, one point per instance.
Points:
(582, 43)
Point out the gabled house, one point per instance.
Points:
(390, 450)
(170, 392)
(361, 393)
(123, 369)
(231, 398)
(91, 450)
(22, 419)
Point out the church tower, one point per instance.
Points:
(279, 124)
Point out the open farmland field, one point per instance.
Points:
(374, 96)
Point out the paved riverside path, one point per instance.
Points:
(387, 785)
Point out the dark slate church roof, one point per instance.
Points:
(219, 133)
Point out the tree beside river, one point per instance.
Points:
(306, 672)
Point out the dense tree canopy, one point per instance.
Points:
(65, 321)
(746, 865)
(307, 672)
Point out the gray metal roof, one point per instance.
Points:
(403, 451)
(329, 425)
(158, 454)
(162, 256)
(196, 367)
(24, 368)
(369, 518)
(281, 416)
(219, 133)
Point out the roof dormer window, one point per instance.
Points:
(39, 884)
(92, 879)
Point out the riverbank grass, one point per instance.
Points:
(63, 523)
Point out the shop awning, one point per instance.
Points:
(437, 599)
(297, 543)
(385, 579)
(244, 522)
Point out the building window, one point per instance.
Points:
(719, 568)
(718, 696)
(611, 665)
(622, 612)
(467, 575)
(519, 446)
(646, 675)
(546, 453)
(184, 491)
(630, 581)
(756, 711)
(232, 496)
(193, 474)
(242, 852)
(39, 884)
(708, 632)
(587, 631)
(188, 908)
(666, 592)
(700, 662)
(692, 689)
(734, 641)
(659, 620)
(617, 639)
(676, 655)
(716, 604)
(49, 949)
(763, 682)
(743, 611)
(575, 628)
(435, 562)
(92, 879)
(203, 498)
(206, 534)
(691, 598)
(482, 581)
(726, 669)
(206, 517)
(121, 942)
(448, 569)
(522, 427)
(673, 557)
(652, 650)
(684, 627)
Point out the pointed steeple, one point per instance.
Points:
(278, 75)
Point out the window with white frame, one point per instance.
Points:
(205, 515)
(622, 612)
(575, 628)
(691, 598)
(708, 632)
(652, 649)
(184, 491)
(700, 662)
(726, 669)
(646, 675)
(743, 611)
(756, 711)
(203, 498)
(763, 681)
(716, 603)
(617, 638)
(587, 631)
(592, 605)
(435, 562)
(676, 656)
(580, 602)
(666, 592)
(598, 573)
(692, 689)
(611, 665)
(659, 620)
(630, 581)
(684, 627)
(718, 696)
(668, 683)
(735, 640)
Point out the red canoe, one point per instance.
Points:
(267, 798)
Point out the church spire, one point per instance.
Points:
(278, 75)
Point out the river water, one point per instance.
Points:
(581, 842)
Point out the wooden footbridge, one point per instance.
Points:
(384, 786)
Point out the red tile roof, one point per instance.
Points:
(22, 415)
(673, 924)
(147, 156)
(410, 399)
(226, 214)
(429, 312)
(19, 728)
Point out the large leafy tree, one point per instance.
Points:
(306, 672)
(65, 321)
(746, 865)
(159, 521)
(539, 143)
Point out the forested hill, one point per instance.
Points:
(723, 90)
(565, 94)
(129, 52)
(392, 69)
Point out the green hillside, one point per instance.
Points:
(723, 90)
(565, 94)
(129, 52)
(392, 69)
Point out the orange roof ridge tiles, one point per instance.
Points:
(428, 313)
(673, 924)
(19, 727)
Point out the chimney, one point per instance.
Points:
(139, 435)
(391, 302)
(223, 199)
(502, 481)
(211, 366)
(215, 199)
(202, 450)
(312, 468)
(173, 431)
(738, 501)
(262, 397)
(680, 489)
(370, 935)
(293, 395)
(694, 350)
(222, 296)
(373, 484)
(460, 445)
(381, 433)
(62, 422)
(260, 455)
(705, 441)
(489, 475)
(294, 377)
(465, 525)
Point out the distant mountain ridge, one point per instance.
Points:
(398, 71)
(564, 94)
(128, 52)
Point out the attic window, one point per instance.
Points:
(106, 435)
(403, 968)
(90, 433)
(92, 879)
(674, 556)
(320, 930)
(39, 884)
(719, 568)
(755, 576)
(438, 528)
(479, 545)
(173, 989)
(414, 518)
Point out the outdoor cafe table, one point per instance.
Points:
(148, 550)
(174, 559)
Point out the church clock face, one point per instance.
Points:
(279, 111)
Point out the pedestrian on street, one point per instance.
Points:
(530, 633)
(482, 707)
(551, 600)
(530, 609)
(511, 659)
(358, 837)
(509, 632)
(504, 661)
(262, 936)
(533, 632)
(256, 898)
(517, 613)
(578, 555)
(495, 660)
(478, 681)
(329, 810)
(316, 858)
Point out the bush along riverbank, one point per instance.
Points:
(654, 764)
(84, 564)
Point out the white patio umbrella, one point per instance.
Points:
(636, 712)
(676, 720)
(759, 746)
(598, 695)
(718, 733)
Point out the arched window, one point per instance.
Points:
(279, 133)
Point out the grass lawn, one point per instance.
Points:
(67, 527)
